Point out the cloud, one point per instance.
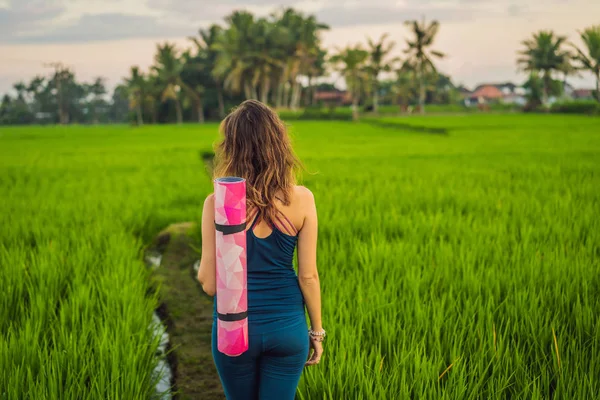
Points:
(91, 28)
(337, 17)
(25, 16)
(341, 13)
(74, 21)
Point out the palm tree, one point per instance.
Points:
(21, 89)
(263, 58)
(169, 68)
(152, 96)
(420, 57)
(567, 68)
(6, 112)
(191, 79)
(97, 89)
(543, 53)
(307, 49)
(135, 86)
(266, 55)
(316, 70)
(350, 62)
(206, 48)
(404, 86)
(535, 89)
(35, 89)
(300, 44)
(62, 79)
(378, 53)
(233, 47)
(590, 61)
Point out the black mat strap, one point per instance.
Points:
(232, 317)
(230, 229)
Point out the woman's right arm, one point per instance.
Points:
(308, 275)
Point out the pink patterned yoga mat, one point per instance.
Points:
(232, 295)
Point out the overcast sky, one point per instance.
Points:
(106, 37)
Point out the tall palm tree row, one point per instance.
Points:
(248, 57)
(265, 59)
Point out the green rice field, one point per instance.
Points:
(459, 255)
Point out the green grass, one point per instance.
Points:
(344, 113)
(453, 266)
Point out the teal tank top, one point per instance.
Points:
(274, 295)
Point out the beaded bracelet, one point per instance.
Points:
(318, 336)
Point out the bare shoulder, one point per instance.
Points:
(209, 202)
(303, 193)
(304, 198)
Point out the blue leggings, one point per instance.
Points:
(270, 368)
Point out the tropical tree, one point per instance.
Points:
(206, 48)
(6, 112)
(378, 63)
(403, 88)
(169, 67)
(193, 80)
(21, 90)
(307, 51)
(62, 83)
(152, 96)
(318, 69)
(443, 91)
(590, 61)
(118, 109)
(135, 85)
(266, 55)
(20, 112)
(543, 53)
(234, 46)
(567, 68)
(263, 58)
(535, 87)
(36, 88)
(419, 55)
(351, 64)
(97, 89)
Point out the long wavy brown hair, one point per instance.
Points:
(256, 146)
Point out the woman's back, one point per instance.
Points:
(274, 293)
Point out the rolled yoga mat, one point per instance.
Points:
(232, 294)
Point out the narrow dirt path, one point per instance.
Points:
(187, 312)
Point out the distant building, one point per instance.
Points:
(484, 94)
(506, 92)
(333, 97)
(583, 94)
(509, 93)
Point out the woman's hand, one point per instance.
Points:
(317, 351)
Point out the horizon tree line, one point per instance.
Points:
(266, 59)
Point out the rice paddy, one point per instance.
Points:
(458, 255)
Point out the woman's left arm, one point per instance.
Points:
(208, 264)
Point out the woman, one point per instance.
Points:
(280, 216)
